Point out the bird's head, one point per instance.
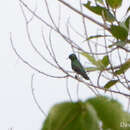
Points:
(72, 57)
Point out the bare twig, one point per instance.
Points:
(27, 63)
(84, 15)
(67, 88)
(34, 97)
(76, 47)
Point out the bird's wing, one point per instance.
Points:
(78, 67)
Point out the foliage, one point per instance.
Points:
(86, 115)
(99, 111)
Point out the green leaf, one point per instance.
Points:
(100, 1)
(109, 111)
(114, 3)
(128, 10)
(87, 115)
(72, 116)
(118, 43)
(100, 64)
(97, 36)
(89, 69)
(127, 22)
(95, 9)
(127, 121)
(124, 67)
(100, 11)
(105, 61)
(110, 84)
(108, 16)
(90, 58)
(119, 32)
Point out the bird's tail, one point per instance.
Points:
(85, 76)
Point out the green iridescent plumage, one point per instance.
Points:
(77, 66)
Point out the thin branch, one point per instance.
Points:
(34, 97)
(84, 15)
(30, 40)
(49, 13)
(67, 88)
(68, 32)
(61, 34)
(28, 64)
(74, 45)
(77, 91)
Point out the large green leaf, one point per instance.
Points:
(87, 115)
(109, 111)
(72, 116)
(119, 32)
(99, 10)
(110, 84)
(114, 3)
(124, 67)
(126, 124)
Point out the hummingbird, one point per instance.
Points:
(77, 66)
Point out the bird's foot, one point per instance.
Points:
(77, 77)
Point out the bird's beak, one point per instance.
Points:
(67, 58)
